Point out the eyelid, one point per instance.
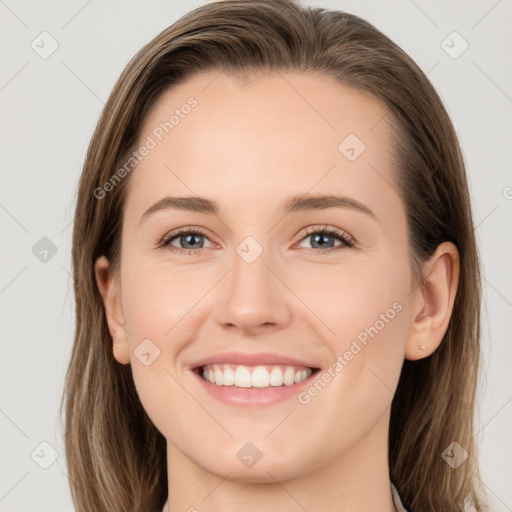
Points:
(325, 227)
(164, 242)
(347, 241)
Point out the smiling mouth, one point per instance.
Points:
(261, 376)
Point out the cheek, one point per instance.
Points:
(366, 308)
(157, 304)
(360, 297)
(158, 297)
(357, 386)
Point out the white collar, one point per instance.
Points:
(396, 499)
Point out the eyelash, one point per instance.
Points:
(342, 236)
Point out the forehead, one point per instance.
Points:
(268, 136)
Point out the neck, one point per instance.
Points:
(356, 481)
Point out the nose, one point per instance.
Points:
(254, 300)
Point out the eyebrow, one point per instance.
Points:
(293, 204)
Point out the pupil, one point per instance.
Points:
(191, 239)
(320, 240)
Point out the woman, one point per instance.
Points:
(276, 277)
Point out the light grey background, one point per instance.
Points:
(49, 109)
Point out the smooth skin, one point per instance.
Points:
(249, 145)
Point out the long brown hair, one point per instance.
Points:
(116, 457)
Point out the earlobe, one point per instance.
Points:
(432, 302)
(109, 289)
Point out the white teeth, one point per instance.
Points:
(242, 377)
(260, 377)
(256, 377)
(219, 376)
(276, 377)
(288, 377)
(229, 377)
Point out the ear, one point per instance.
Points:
(432, 302)
(111, 294)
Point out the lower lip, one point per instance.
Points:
(233, 395)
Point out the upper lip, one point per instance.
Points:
(250, 359)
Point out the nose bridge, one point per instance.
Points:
(254, 296)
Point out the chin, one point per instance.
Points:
(266, 470)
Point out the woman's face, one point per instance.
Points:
(257, 283)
